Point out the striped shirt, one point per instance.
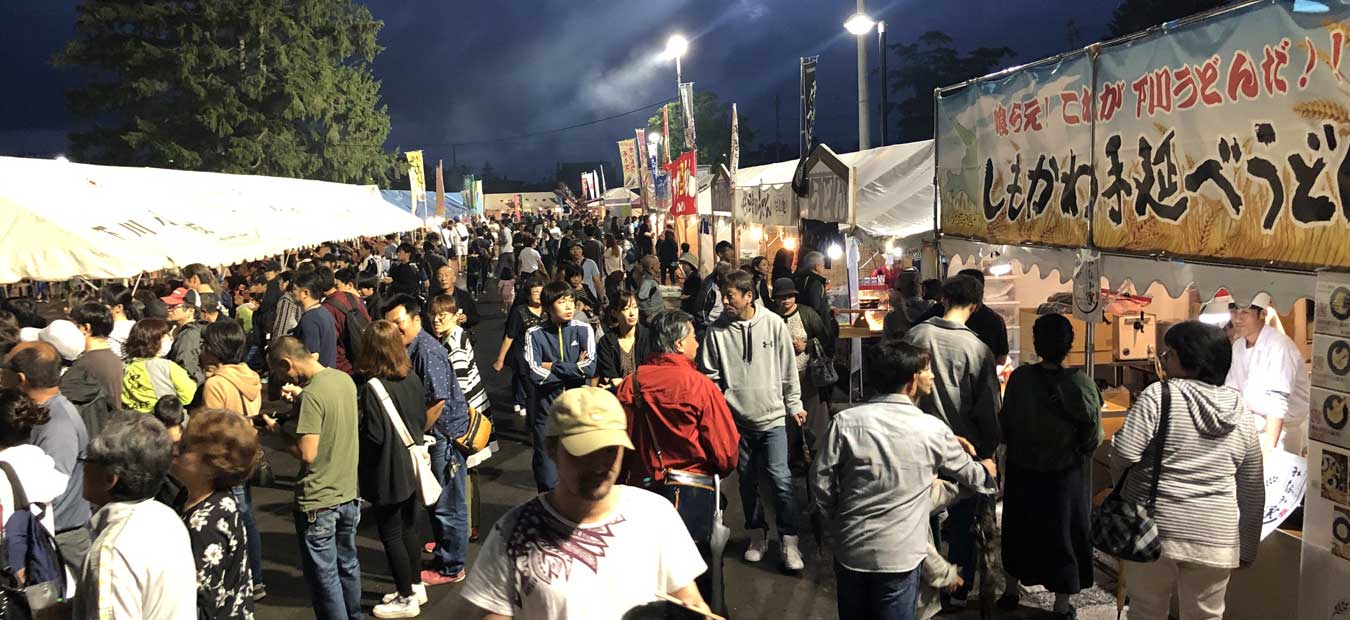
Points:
(466, 370)
(1211, 493)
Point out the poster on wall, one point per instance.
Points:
(1327, 420)
(1228, 138)
(1015, 156)
(1331, 362)
(1333, 304)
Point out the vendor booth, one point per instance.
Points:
(60, 219)
(1133, 182)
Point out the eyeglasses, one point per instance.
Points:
(1166, 353)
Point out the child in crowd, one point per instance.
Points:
(171, 413)
(506, 285)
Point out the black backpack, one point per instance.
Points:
(354, 328)
(43, 584)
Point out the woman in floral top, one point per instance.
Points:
(219, 451)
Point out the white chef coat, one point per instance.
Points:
(1274, 384)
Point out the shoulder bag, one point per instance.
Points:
(820, 367)
(1126, 529)
(421, 457)
(671, 480)
(477, 435)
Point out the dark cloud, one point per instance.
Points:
(474, 71)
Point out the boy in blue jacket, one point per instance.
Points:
(561, 356)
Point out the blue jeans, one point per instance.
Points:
(243, 496)
(541, 399)
(884, 596)
(328, 555)
(450, 513)
(766, 452)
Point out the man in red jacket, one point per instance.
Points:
(683, 437)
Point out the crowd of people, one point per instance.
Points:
(131, 417)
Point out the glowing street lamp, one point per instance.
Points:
(859, 24)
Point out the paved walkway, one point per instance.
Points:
(755, 591)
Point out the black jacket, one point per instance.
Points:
(607, 352)
(384, 470)
(812, 293)
(815, 328)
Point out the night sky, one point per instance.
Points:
(474, 72)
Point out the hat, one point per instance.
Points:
(1225, 299)
(587, 419)
(783, 287)
(688, 257)
(177, 298)
(65, 336)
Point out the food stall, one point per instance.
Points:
(1128, 183)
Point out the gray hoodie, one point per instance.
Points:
(754, 364)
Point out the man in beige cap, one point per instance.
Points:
(588, 549)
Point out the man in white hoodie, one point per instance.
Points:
(748, 353)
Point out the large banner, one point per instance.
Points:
(1229, 139)
(687, 107)
(683, 174)
(735, 142)
(628, 155)
(808, 105)
(1015, 156)
(417, 181)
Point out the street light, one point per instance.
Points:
(676, 47)
(859, 25)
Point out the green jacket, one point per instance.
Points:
(1051, 418)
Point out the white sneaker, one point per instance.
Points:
(759, 543)
(398, 608)
(419, 592)
(792, 556)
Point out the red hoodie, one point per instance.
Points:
(688, 417)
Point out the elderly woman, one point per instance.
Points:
(217, 453)
(1052, 425)
(140, 563)
(1210, 491)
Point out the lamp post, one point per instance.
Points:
(859, 25)
(881, 51)
(676, 47)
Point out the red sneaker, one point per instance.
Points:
(429, 547)
(473, 534)
(435, 578)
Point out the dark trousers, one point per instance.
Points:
(328, 558)
(541, 399)
(961, 546)
(397, 526)
(882, 596)
(697, 507)
(243, 496)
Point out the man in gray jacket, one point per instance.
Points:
(748, 353)
(965, 396)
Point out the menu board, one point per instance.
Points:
(1326, 514)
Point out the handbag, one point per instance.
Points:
(478, 434)
(1126, 529)
(820, 367)
(421, 457)
(673, 480)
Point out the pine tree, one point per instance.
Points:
(267, 87)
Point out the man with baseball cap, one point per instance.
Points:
(1268, 369)
(588, 548)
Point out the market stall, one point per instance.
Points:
(61, 219)
(1127, 184)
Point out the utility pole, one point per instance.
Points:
(777, 128)
(881, 51)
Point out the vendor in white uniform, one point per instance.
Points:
(1268, 369)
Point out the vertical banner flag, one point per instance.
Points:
(735, 144)
(645, 180)
(585, 186)
(417, 181)
(629, 158)
(687, 106)
(440, 190)
(683, 174)
(808, 105)
(665, 129)
(604, 185)
(478, 203)
(466, 193)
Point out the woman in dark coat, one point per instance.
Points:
(625, 343)
(384, 468)
(1052, 425)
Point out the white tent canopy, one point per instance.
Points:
(60, 220)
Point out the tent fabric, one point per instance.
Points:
(1243, 283)
(61, 219)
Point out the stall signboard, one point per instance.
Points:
(1326, 512)
(768, 205)
(683, 184)
(1228, 138)
(827, 199)
(1014, 156)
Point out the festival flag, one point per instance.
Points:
(466, 193)
(628, 156)
(808, 106)
(440, 190)
(687, 105)
(665, 128)
(417, 181)
(478, 196)
(735, 144)
(683, 175)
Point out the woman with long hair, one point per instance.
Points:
(782, 264)
(527, 314)
(613, 255)
(625, 343)
(218, 452)
(125, 312)
(148, 375)
(389, 387)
